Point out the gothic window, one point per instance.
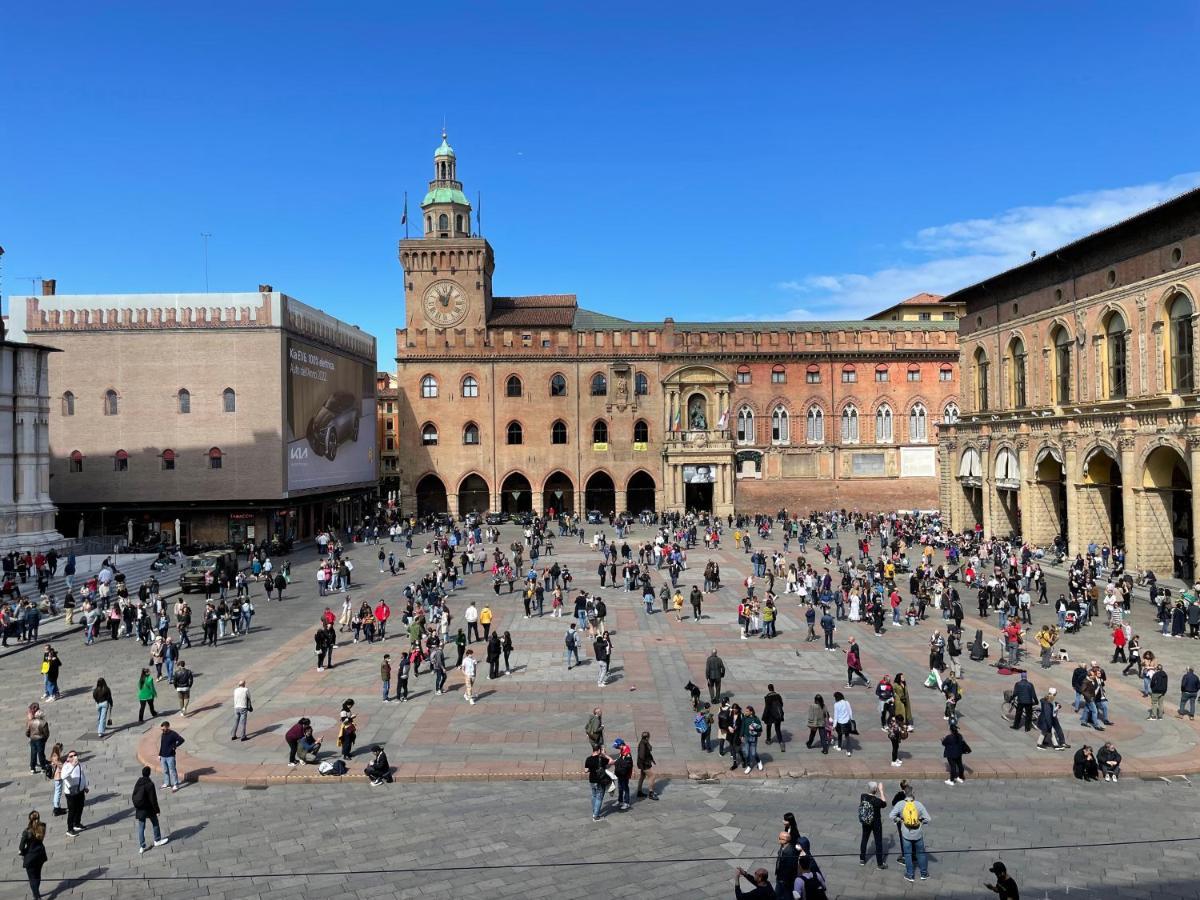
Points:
(599, 385)
(850, 425)
(950, 414)
(429, 435)
(1182, 377)
(558, 432)
(641, 432)
(229, 400)
(471, 434)
(185, 401)
(1016, 373)
(641, 385)
(558, 385)
(780, 426)
(470, 386)
(512, 387)
(745, 425)
(68, 404)
(1114, 341)
(918, 425)
(815, 425)
(600, 432)
(883, 425)
(981, 380)
(1062, 365)
(429, 387)
(110, 402)
(515, 434)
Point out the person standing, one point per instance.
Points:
(75, 787)
(182, 680)
(752, 729)
(842, 717)
(602, 648)
(645, 763)
(385, 677)
(623, 767)
(596, 767)
(145, 806)
(1025, 697)
(1158, 691)
(437, 662)
(51, 665)
(912, 817)
(954, 747)
(242, 707)
(772, 715)
(787, 865)
(493, 655)
(37, 729)
(761, 881)
(168, 742)
(1005, 888)
(469, 668)
(506, 649)
(871, 807)
(1189, 687)
(323, 642)
(146, 694)
(714, 672)
(594, 729)
(32, 851)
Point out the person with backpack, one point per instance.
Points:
(912, 817)
(871, 806)
(572, 642)
(703, 724)
(809, 883)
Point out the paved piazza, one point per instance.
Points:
(490, 798)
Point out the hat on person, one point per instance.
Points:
(618, 744)
(998, 868)
(1052, 691)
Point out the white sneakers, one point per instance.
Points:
(760, 767)
(897, 764)
(949, 782)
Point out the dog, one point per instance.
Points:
(695, 694)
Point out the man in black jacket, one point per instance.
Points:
(645, 762)
(787, 863)
(1158, 690)
(378, 769)
(1025, 697)
(772, 715)
(714, 671)
(145, 806)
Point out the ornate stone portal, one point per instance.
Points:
(698, 455)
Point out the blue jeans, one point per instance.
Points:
(170, 775)
(1001, 615)
(1187, 703)
(597, 799)
(169, 665)
(571, 651)
(48, 686)
(909, 848)
(623, 791)
(58, 795)
(240, 717)
(1088, 713)
(142, 830)
(751, 751)
(101, 717)
(387, 687)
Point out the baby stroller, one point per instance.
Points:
(1071, 618)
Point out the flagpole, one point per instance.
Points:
(406, 215)
(479, 212)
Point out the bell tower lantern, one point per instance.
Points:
(445, 209)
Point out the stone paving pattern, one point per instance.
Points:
(344, 838)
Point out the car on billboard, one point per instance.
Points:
(334, 423)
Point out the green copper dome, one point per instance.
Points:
(445, 195)
(444, 150)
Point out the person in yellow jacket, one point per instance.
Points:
(485, 621)
(677, 601)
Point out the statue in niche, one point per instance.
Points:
(697, 420)
(622, 389)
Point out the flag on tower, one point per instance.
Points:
(404, 216)
(677, 424)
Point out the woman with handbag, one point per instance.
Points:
(102, 696)
(33, 852)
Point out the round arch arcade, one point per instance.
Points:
(1167, 499)
(473, 495)
(640, 493)
(600, 494)
(516, 494)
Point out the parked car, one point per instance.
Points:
(219, 562)
(595, 517)
(334, 423)
(496, 518)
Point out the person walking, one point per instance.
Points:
(818, 718)
(469, 668)
(572, 643)
(32, 851)
(242, 707)
(645, 763)
(145, 806)
(787, 866)
(168, 742)
(182, 681)
(714, 672)
(146, 694)
(1189, 687)
(772, 716)
(596, 767)
(1048, 724)
(871, 807)
(1025, 698)
(1005, 887)
(75, 788)
(912, 817)
(843, 715)
(954, 747)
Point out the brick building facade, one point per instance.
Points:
(1080, 414)
(534, 403)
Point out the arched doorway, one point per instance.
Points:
(639, 493)
(1049, 519)
(431, 496)
(1008, 490)
(473, 495)
(516, 495)
(1167, 489)
(970, 481)
(558, 494)
(1103, 508)
(600, 494)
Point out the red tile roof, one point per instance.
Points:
(537, 311)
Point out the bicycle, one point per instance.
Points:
(1008, 706)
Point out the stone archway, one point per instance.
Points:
(1048, 492)
(516, 494)
(600, 494)
(431, 496)
(1101, 505)
(640, 493)
(473, 495)
(1165, 539)
(558, 494)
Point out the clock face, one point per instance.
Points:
(445, 304)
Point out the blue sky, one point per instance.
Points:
(699, 161)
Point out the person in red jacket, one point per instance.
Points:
(382, 613)
(1118, 639)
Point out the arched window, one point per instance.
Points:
(743, 374)
(428, 224)
(110, 402)
(443, 222)
(458, 223)
(215, 458)
(429, 435)
(1183, 378)
(1062, 365)
(849, 374)
(918, 425)
(558, 432)
(76, 464)
(600, 432)
(950, 414)
(471, 434)
(981, 380)
(778, 375)
(914, 372)
(1016, 373)
(781, 432)
(599, 385)
(229, 399)
(512, 387)
(68, 403)
(185, 401)
(168, 460)
(745, 425)
(641, 385)
(470, 386)
(946, 372)
(812, 375)
(428, 387)
(883, 425)
(815, 425)
(1114, 342)
(881, 373)
(641, 432)
(120, 461)
(558, 385)
(514, 433)
(850, 425)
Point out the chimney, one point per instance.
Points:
(265, 289)
(48, 287)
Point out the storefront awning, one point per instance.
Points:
(1008, 470)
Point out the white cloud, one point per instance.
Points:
(944, 258)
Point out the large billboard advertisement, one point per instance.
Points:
(331, 418)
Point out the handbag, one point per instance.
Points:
(249, 707)
(46, 667)
(853, 727)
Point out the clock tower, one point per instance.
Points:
(447, 271)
